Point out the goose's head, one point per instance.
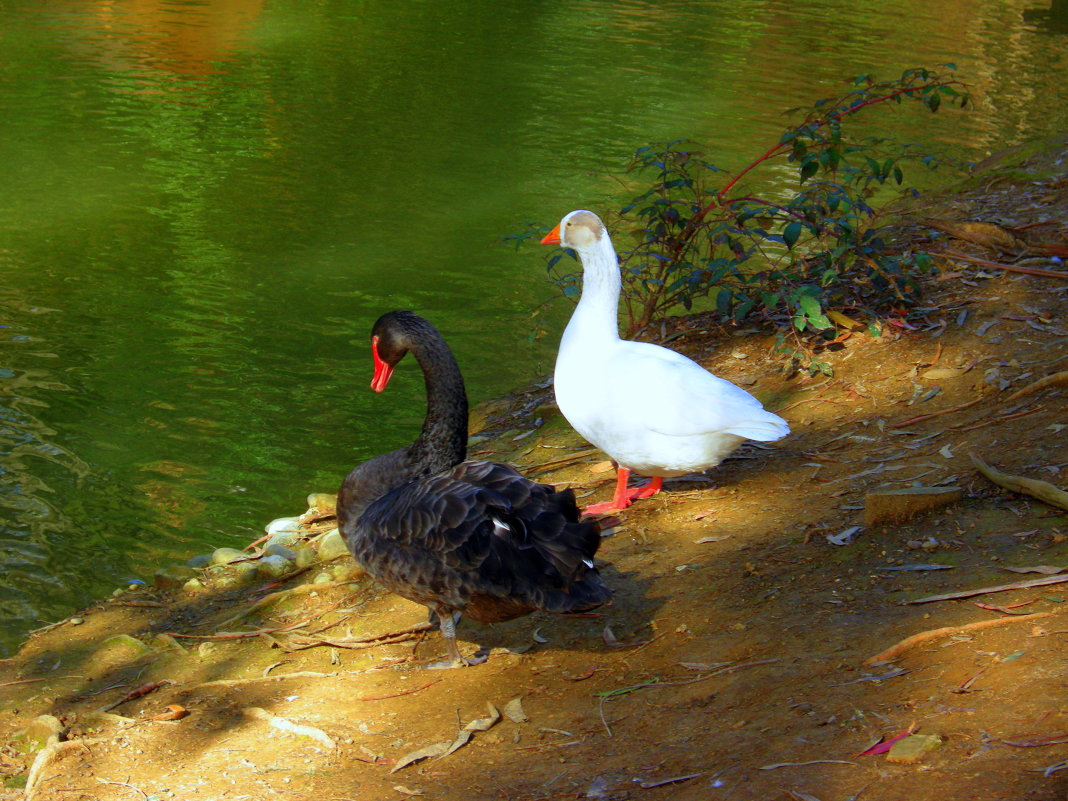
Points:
(580, 230)
(392, 336)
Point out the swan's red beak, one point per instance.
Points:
(383, 371)
(553, 237)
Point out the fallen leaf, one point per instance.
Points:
(610, 637)
(601, 467)
(843, 537)
(488, 722)
(917, 566)
(701, 666)
(400, 788)
(598, 788)
(513, 710)
(893, 674)
(174, 712)
(286, 725)
(703, 540)
(1047, 570)
(462, 739)
(582, 677)
(662, 782)
(415, 756)
(884, 745)
(777, 765)
(912, 749)
(1039, 742)
(843, 321)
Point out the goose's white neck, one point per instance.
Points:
(596, 318)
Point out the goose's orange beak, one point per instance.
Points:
(383, 371)
(553, 237)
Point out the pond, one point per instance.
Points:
(208, 202)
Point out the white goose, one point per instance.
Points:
(652, 410)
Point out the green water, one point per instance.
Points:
(205, 205)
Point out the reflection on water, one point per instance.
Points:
(208, 202)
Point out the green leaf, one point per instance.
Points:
(809, 305)
(813, 312)
(809, 168)
(790, 233)
(723, 302)
(743, 309)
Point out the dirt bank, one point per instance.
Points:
(743, 656)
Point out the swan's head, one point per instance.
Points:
(580, 230)
(392, 336)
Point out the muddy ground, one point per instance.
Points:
(743, 654)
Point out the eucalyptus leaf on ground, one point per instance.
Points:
(513, 710)
(422, 753)
(488, 722)
(1047, 570)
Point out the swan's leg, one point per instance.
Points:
(623, 496)
(448, 620)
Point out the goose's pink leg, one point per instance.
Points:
(623, 496)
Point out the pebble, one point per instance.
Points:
(193, 587)
(233, 575)
(281, 524)
(272, 567)
(346, 571)
(283, 538)
(305, 557)
(223, 556)
(172, 576)
(331, 546)
(126, 641)
(199, 561)
(323, 501)
(275, 549)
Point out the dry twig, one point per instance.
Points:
(1043, 490)
(922, 417)
(1055, 380)
(899, 648)
(1012, 268)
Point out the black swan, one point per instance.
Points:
(463, 538)
(651, 409)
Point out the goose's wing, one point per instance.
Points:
(671, 394)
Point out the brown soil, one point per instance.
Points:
(733, 658)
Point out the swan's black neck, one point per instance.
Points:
(443, 441)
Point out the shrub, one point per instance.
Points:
(698, 234)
